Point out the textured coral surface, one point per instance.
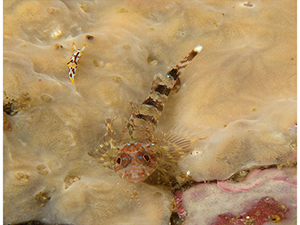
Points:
(239, 95)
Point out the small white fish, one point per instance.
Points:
(73, 63)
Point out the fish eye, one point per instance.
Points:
(118, 160)
(146, 158)
(142, 157)
(123, 160)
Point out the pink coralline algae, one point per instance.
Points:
(265, 210)
(256, 178)
(178, 213)
(178, 205)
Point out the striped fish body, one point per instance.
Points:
(138, 153)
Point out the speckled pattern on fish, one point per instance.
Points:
(139, 153)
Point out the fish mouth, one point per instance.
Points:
(135, 174)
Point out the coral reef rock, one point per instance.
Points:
(239, 96)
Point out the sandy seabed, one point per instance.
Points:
(239, 93)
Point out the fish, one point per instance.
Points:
(140, 150)
(73, 63)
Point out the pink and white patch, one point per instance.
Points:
(224, 202)
(257, 178)
(178, 208)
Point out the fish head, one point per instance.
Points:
(135, 161)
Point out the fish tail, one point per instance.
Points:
(144, 118)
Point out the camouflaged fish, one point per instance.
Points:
(140, 151)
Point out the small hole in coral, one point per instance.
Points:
(274, 218)
(152, 61)
(248, 4)
(89, 37)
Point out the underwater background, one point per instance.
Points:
(238, 96)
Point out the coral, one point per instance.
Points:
(246, 143)
(238, 99)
